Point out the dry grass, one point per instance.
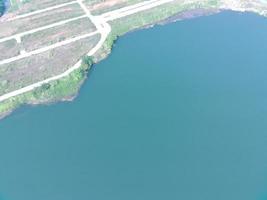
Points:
(101, 6)
(9, 49)
(22, 7)
(36, 68)
(12, 27)
(57, 34)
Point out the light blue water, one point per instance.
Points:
(176, 112)
(4, 6)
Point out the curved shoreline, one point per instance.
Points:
(180, 16)
(186, 14)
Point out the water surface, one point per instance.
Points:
(4, 5)
(176, 112)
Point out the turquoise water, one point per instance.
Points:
(4, 5)
(176, 112)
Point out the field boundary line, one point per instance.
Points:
(47, 48)
(42, 10)
(66, 73)
(41, 28)
(120, 13)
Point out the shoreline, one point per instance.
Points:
(104, 53)
(179, 17)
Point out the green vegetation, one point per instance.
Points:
(8, 49)
(25, 6)
(124, 25)
(68, 87)
(33, 69)
(42, 19)
(51, 92)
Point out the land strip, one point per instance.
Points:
(9, 28)
(9, 49)
(32, 69)
(57, 34)
(129, 10)
(20, 7)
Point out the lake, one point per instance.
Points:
(175, 112)
(4, 5)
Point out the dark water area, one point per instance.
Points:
(175, 112)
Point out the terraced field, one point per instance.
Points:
(57, 34)
(24, 6)
(98, 7)
(2, 7)
(32, 69)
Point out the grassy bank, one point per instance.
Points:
(63, 89)
(151, 17)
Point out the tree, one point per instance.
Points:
(87, 60)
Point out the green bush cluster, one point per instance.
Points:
(53, 91)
